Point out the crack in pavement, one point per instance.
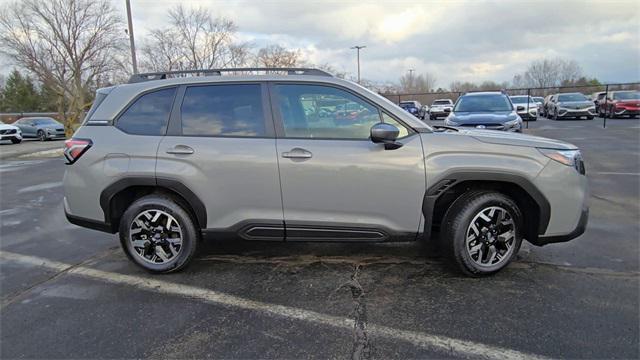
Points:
(362, 348)
(61, 271)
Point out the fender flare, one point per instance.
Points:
(455, 177)
(106, 196)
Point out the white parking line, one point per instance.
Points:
(615, 173)
(461, 348)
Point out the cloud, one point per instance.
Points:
(461, 40)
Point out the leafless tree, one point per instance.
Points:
(410, 83)
(70, 45)
(193, 39)
(277, 56)
(551, 72)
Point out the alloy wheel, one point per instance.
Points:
(155, 236)
(490, 237)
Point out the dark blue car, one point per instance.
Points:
(43, 128)
(485, 110)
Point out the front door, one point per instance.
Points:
(336, 183)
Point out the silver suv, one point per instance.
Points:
(167, 160)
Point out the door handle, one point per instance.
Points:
(180, 150)
(297, 153)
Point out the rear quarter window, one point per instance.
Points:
(149, 114)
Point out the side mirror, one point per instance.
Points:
(382, 133)
(520, 108)
(447, 110)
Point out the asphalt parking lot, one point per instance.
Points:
(69, 292)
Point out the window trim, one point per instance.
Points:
(175, 121)
(136, 98)
(279, 124)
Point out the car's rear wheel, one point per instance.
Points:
(158, 234)
(482, 232)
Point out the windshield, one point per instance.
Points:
(483, 103)
(571, 97)
(520, 99)
(538, 99)
(627, 96)
(407, 105)
(441, 102)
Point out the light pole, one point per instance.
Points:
(131, 42)
(358, 47)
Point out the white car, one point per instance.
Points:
(526, 107)
(10, 132)
(440, 108)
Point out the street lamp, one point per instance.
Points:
(358, 47)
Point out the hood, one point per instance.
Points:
(515, 139)
(575, 104)
(8, 127)
(499, 117)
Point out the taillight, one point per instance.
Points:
(74, 148)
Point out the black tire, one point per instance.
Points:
(42, 136)
(16, 141)
(589, 117)
(457, 222)
(190, 234)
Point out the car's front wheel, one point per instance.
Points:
(482, 232)
(41, 135)
(158, 234)
(16, 140)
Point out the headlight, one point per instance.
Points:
(450, 122)
(513, 123)
(571, 158)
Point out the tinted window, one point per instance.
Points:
(572, 97)
(483, 103)
(441, 102)
(313, 111)
(223, 110)
(149, 114)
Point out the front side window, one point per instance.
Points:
(316, 111)
(223, 110)
(149, 114)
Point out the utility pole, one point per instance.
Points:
(131, 42)
(358, 47)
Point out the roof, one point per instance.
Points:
(483, 93)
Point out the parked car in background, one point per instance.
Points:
(596, 97)
(237, 160)
(43, 128)
(440, 108)
(526, 107)
(414, 108)
(544, 110)
(571, 105)
(620, 103)
(490, 110)
(539, 101)
(10, 132)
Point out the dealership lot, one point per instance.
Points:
(74, 291)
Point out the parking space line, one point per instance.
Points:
(434, 342)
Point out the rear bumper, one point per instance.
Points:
(579, 230)
(89, 223)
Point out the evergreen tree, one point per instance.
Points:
(19, 94)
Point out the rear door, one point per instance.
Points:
(336, 183)
(221, 146)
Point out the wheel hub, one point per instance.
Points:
(155, 236)
(491, 236)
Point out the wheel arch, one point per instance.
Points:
(440, 196)
(117, 197)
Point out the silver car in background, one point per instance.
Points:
(526, 107)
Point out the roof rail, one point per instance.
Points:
(135, 78)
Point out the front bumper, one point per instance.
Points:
(567, 113)
(579, 230)
(532, 115)
(627, 111)
(10, 136)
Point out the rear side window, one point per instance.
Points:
(223, 110)
(149, 114)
